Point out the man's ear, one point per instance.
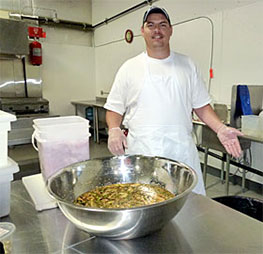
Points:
(142, 30)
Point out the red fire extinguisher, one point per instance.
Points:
(35, 53)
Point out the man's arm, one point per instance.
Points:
(113, 119)
(117, 141)
(226, 135)
(209, 117)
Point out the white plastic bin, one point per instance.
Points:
(252, 125)
(61, 141)
(5, 126)
(6, 176)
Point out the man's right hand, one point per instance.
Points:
(117, 141)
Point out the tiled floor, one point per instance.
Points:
(215, 188)
(25, 154)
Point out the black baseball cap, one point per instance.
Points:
(155, 9)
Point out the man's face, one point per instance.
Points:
(156, 31)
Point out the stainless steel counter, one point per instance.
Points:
(202, 226)
(209, 140)
(80, 109)
(246, 137)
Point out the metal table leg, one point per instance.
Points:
(243, 180)
(244, 171)
(227, 173)
(205, 165)
(222, 170)
(76, 110)
(96, 125)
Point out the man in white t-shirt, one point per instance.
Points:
(157, 91)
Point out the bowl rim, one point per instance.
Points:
(67, 203)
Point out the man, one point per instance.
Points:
(158, 90)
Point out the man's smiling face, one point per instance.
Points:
(157, 31)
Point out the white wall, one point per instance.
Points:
(242, 48)
(68, 75)
(68, 69)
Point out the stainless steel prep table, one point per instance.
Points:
(209, 140)
(202, 226)
(80, 109)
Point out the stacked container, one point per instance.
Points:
(61, 141)
(7, 166)
(252, 125)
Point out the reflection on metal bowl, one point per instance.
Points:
(66, 185)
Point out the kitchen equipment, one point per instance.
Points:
(221, 111)
(26, 110)
(256, 103)
(13, 38)
(21, 95)
(20, 81)
(25, 106)
(68, 183)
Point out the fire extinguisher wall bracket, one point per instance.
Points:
(35, 53)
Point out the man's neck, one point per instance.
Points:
(159, 54)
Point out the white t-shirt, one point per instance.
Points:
(129, 81)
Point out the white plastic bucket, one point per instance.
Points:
(5, 126)
(6, 176)
(61, 141)
(52, 123)
(3, 146)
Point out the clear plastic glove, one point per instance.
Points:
(228, 138)
(117, 141)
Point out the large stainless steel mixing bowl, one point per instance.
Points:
(70, 182)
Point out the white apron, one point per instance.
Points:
(154, 129)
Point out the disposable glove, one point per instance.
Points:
(117, 141)
(228, 138)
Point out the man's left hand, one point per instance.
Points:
(228, 138)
